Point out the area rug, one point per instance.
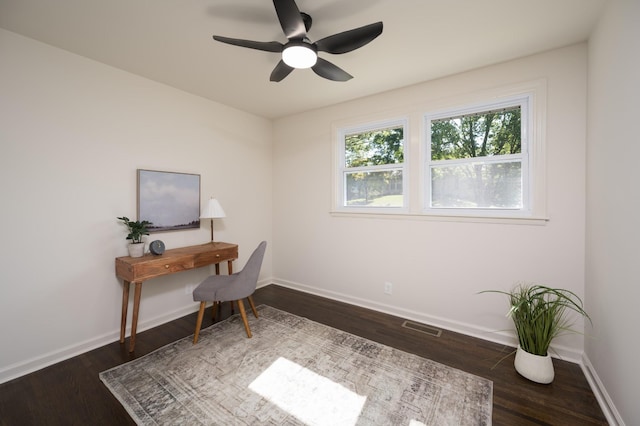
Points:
(294, 372)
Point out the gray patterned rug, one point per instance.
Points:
(294, 372)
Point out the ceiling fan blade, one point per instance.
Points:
(329, 71)
(280, 71)
(349, 40)
(267, 46)
(290, 19)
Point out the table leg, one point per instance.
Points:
(230, 267)
(134, 320)
(125, 304)
(213, 307)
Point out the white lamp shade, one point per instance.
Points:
(212, 210)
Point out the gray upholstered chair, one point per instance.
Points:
(234, 287)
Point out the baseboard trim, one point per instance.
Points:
(500, 337)
(567, 354)
(604, 400)
(31, 365)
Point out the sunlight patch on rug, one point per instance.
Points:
(310, 397)
(294, 371)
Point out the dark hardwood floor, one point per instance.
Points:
(70, 392)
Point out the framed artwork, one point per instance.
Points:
(169, 200)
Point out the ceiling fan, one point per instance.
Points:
(299, 52)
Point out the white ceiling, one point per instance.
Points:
(170, 41)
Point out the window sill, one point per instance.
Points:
(504, 220)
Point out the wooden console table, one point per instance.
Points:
(139, 269)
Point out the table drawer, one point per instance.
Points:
(218, 256)
(153, 268)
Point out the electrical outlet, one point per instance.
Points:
(388, 287)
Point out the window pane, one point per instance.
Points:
(374, 189)
(374, 148)
(477, 185)
(476, 135)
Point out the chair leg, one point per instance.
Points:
(243, 314)
(199, 322)
(253, 306)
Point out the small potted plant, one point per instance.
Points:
(539, 314)
(136, 230)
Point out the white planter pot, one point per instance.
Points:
(136, 250)
(536, 368)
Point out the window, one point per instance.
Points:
(477, 160)
(372, 167)
(481, 159)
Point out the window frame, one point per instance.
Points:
(412, 115)
(525, 157)
(341, 169)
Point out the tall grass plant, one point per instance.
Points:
(540, 314)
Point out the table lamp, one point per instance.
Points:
(213, 210)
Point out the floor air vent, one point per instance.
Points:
(422, 328)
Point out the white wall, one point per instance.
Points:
(613, 203)
(72, 134)
(436, 267)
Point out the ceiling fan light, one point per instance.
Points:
(299, 56)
